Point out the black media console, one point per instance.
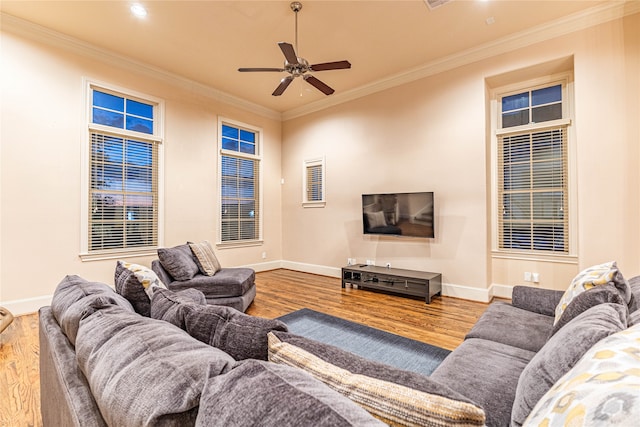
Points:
(405, 282)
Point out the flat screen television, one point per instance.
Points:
(398, 214)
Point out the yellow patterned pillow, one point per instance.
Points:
(147, 277)
(395, 404)
(593, 276)
(602, 389)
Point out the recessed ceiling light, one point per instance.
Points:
(138, 10)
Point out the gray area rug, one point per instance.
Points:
(365, 341)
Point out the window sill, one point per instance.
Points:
(101, 256)
(533, 256)
(314, 204)
(238, 244)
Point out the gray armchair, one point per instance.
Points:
(231, 287)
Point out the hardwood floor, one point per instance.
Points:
(443, 323)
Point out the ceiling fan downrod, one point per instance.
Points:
(296, 6)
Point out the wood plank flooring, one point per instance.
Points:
(443, 323)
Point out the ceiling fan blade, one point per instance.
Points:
(322, 87)
(289, 52)
(246, 70)
(284, 83)
(338, 65)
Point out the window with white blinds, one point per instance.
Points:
(532, 190)
(240, 210)
(532, 171)
(123, 167)
(313, 191)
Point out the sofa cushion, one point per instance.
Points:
(594, 276)
(228, 282)
(73, 295)
(389, 401)
(258, 393)
(562, 352)
(585, 300)
(179, 262)
(601, 389)
(238, 334)
(136, 283)
(503, 323)
(486, 372)
(206, 259)
(165, 304)
(144, 371)
(537, 300)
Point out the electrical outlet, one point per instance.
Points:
(527, 276)
(371, 262)
(535, 277)
(264, 255)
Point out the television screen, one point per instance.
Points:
(398, 214)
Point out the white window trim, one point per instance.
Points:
(85, 158)
(258, 156)
(566, 79)
(318, 161)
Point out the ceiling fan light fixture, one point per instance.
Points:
(299, 67)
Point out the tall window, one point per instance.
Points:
(532, 170)
(313, 183)
(240, 210)
(123, 163)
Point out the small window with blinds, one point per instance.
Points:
(123, 173)
(532, 171)
(240, 211)
(313, 188)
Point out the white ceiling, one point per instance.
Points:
(207, 41)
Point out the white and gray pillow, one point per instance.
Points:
(562, 352)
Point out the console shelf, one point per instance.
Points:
(404, 282)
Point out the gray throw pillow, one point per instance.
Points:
(238, 334)
(73, 295)
(166, 304)
(144, 371)
(179, 262)
(562, 352)
(258, 393)
(587, 299)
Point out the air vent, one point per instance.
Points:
(435, 3)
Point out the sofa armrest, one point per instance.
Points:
(537, 300)
(66, 398)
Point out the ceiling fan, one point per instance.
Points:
(299, 67)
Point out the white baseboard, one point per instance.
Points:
(31, 305)
(322, 270)
(27, 305)
(501, 291)
(466, 292)
(265, 266)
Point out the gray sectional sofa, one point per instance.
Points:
(190, 363)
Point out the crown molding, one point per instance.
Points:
(569, 24)
(594, 16)
(53, 38)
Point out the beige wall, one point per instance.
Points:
(42, 132)
(428, 135)
(432, 135)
